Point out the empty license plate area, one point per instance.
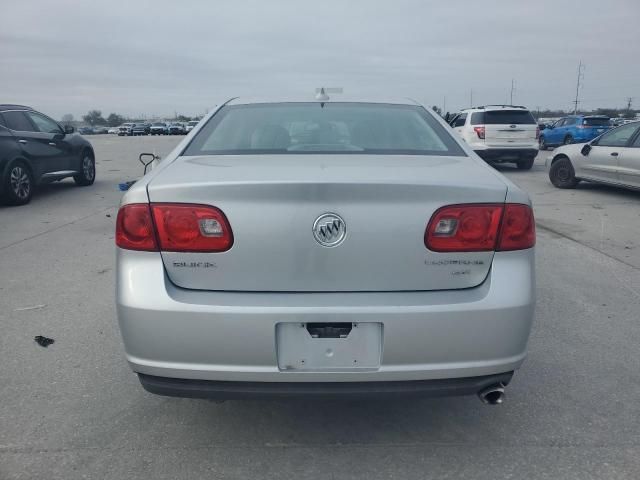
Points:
(328, 346)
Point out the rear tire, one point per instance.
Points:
(87, 174)
(568, 140)
(542, 142)
(526, 164)
(17, 184)
(562, 174)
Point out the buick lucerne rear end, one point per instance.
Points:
(324, 248)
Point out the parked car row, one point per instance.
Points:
(142, 128)
(156, 128)
(93, 130)
(509, 133)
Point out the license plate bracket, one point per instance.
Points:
(299, 348)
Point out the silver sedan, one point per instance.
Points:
(324, 248)
(613, 158)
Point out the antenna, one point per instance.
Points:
(581, 68)
(322, 92)
(513, 89)
(471, 98)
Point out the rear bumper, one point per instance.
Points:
(506, 153)
(231, 336)
(173, 387)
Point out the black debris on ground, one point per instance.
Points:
(43, 341)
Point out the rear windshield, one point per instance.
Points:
(301, 128)
(503, 117)
(596, 122)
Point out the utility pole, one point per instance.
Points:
(581, 67)
(471, 98)
(629, 100)
(444, 106)
(513, 88)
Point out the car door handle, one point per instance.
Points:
(53, 144)
(22, 141)
(614, 154)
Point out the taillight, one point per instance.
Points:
(464, 228)
(480, 227)
(518, 229)
(178, 227)
(479, 131)
(134, 228)
(191, 228)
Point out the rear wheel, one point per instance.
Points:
(87, 174)
(568, 140)
(562, 174)
(18, 184)
(542, 142)
(526, 163)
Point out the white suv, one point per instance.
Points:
(500, 133)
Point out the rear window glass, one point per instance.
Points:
(596, 122)
(502, 117)
(303, 128)
(18, 121)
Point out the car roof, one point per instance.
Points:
(333, 98)
(486, 108)
(8, 106)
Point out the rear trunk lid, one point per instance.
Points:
(272, 202)
(509, 128)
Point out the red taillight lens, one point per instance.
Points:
(518, 229)
(481, 227)
(134, 228)
(480, 132)
(191, 228)
(464, 228)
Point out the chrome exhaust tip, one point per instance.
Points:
(492, 395)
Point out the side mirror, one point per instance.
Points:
(586, 149)
(542, 126)
(68, 129)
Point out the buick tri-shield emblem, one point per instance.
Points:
(329, 230)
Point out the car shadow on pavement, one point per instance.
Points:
(57, 191)
(313, 423)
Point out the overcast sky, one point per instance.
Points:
(137, 57)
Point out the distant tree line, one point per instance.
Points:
(95, 119)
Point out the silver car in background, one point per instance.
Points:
(324, 248)
(613, 158)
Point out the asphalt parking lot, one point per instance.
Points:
(75, 410)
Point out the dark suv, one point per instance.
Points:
(35, 149)
(141, 129)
